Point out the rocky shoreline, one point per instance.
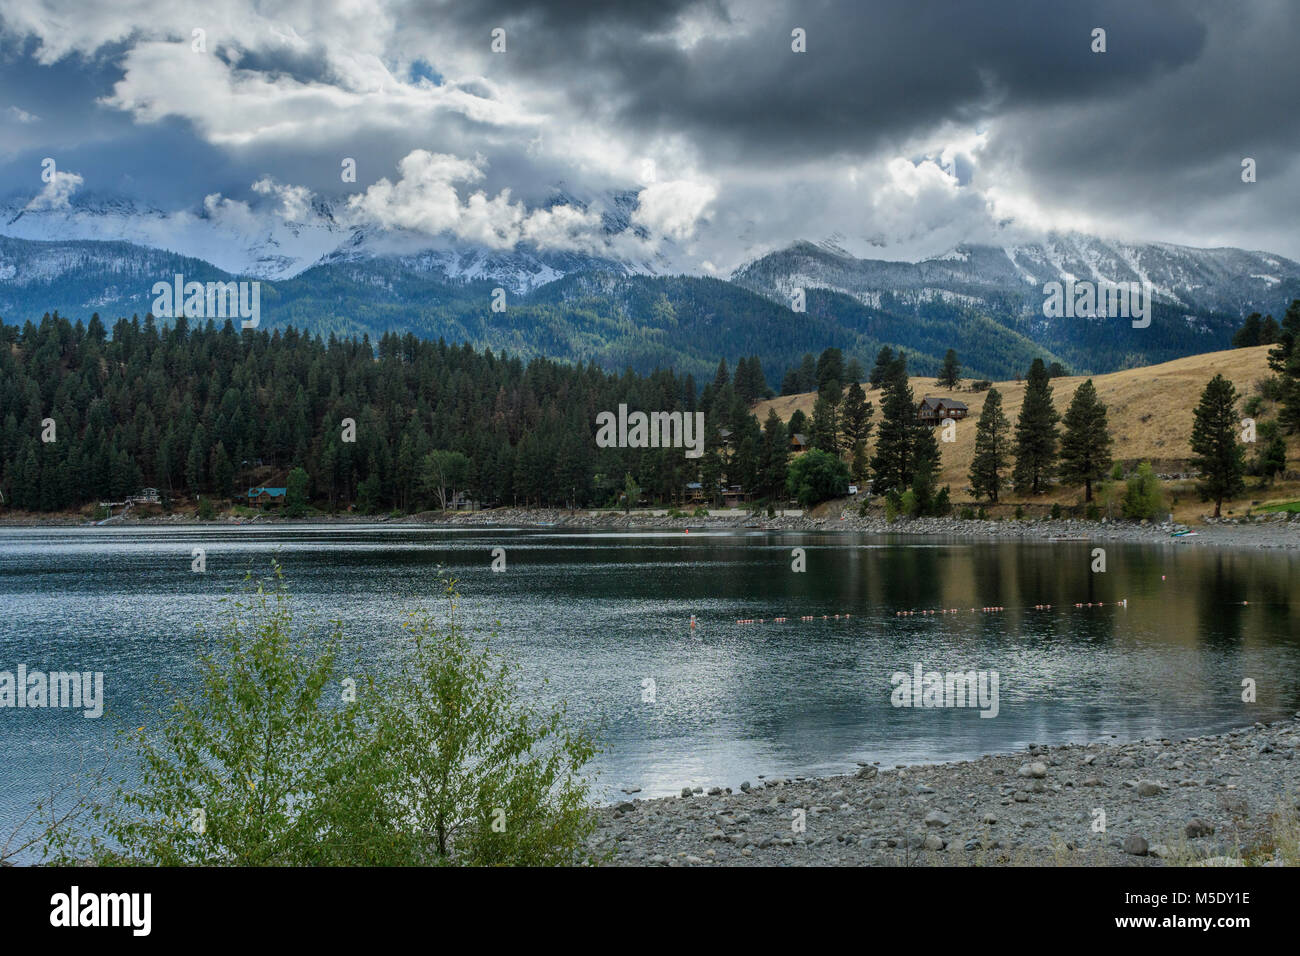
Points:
(1276, 530)
(1224, 800)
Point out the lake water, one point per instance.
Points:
(598, 614)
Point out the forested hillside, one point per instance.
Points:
(210, 410)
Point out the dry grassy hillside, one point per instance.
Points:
(1149, 409)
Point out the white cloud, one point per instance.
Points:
(673, 208)
(56, 193)
(295, 201)
(425, 198)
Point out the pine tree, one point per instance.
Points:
(992, 437)
(879, 371)
(807, 373)
(1270, 459)
(858, 463)
(1036, 434)
(798, 424)
(223, 473)
(826, 425)
(1085, 443)
(855, 417)
(925, 468)
(195, 463)
(774, 456)
(830, 368)
(893, 463)
(1284, 358)
(1218, 455)
(950, 373)
(1249, 333)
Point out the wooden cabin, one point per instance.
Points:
(932, 411)
(265, 496)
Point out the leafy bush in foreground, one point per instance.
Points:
(282, 759)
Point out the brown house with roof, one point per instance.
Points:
(932, 411)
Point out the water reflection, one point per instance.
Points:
(596, 613)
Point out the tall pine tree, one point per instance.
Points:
(992, 440)
(1036, 434)
(1085, 443)
(894, 463)
(1218, 456)
(950, 373)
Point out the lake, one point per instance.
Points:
(593, 617)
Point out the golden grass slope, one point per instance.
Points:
(1150, 410)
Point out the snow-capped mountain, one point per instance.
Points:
(1231, 282)
(628, 298)
(266, 245)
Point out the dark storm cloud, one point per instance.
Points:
(1143, 140)
(872, 73)
(559, 17)
(1148, 135)
(1168, 154)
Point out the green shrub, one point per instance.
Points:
(967, 513)
(282, 758)
(1143, 496)
(1270, 388)
(1092, 512)
(816, 476)
(908, 505)
(1056, 512)
(484, 778)
(1020, 512)
(206, 510)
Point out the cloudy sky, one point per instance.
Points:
(905, 127)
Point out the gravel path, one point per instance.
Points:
(1214, 800)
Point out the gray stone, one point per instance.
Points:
(1135, 845)
(1233, 803)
